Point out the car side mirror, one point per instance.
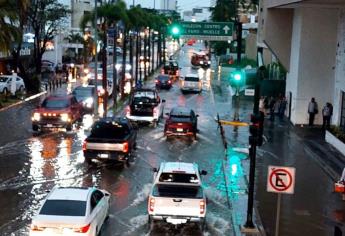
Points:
(203, 172)
(107, 194)
(154, 169)
(163, 100)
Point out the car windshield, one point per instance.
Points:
(194, 79)
(3, 79)
(178, 178)
(163, 78)
(164, 190)
(55, 103)
(144, 96)
(109, 130)
(85, 92)
(64, 208)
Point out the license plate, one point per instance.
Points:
(103, 155)
(179, 130)
(49, 125)
(176, 221)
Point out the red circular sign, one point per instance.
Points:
(282, 186)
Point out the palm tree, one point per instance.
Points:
(8, 17)
(109, 14)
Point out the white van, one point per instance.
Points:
(191, 83)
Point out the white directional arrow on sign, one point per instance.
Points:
(226, 29)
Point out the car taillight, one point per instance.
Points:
(169, 81)
(125, 147)
(84, 145)
(83, 229)
(151, 204)
(155, 111)
(128, 110)
(202, 206)
(36, 228)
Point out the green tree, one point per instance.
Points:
(8, 17)
(46, 18)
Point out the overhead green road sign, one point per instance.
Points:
(220, 31)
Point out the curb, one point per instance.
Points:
(23, 101)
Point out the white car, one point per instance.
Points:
(177, 195)
(72, 211)
(191, 83)
(6, 80)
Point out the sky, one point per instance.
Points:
(182, 4)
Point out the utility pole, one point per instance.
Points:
(238, 65)
(96, 59)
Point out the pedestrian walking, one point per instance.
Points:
(282, 108)
(326, 114)
(312, 110)
(271, 106)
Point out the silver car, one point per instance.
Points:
(6, 80)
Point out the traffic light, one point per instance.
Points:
(237, 77)
(175, 30)
(256, 129)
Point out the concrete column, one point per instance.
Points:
(312, 61)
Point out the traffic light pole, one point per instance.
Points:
(239, 51)
(252, 155)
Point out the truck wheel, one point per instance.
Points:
(69, 127)
(88, 160)
(35, 128)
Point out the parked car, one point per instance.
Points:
(191, 83)
(181, 121)
(171, 68)
(85, 95)
(145, 105)
(177, 195)
(6, 80)
(72, 211)
(57, 112)
(200, 59)
(163, 81)
(112, 139)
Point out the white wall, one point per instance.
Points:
(339, 84)
(312, 61)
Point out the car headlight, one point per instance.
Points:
(128, 67)
(64, 117)
(36, 116)
(209, 62)
(201, 62)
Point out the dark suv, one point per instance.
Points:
(181, 122)
(171, 68)
(57, 112)
(111, 138)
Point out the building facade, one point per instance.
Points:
(308, 38)
(168, 5)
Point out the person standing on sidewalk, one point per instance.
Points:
(326, 114)
(271, 106)
(282, 108)
(312, 110)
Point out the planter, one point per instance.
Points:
(335, 142)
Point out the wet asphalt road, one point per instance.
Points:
(31, 165)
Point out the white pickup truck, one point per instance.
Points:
(177, 195)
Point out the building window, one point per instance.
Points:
(342, 117)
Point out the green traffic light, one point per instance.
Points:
(237, 76)
(175, 30)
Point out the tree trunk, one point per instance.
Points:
(145, 55)
(153, 54)
(104, 72)
(149, 52)
(115, 85)
(137, 58)
(124, 53)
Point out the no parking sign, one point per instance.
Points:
(281, 179)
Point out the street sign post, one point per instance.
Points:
(280, 180)
(218, 31)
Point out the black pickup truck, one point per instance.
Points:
(171, 68)
(111, 138)
(145, 105)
